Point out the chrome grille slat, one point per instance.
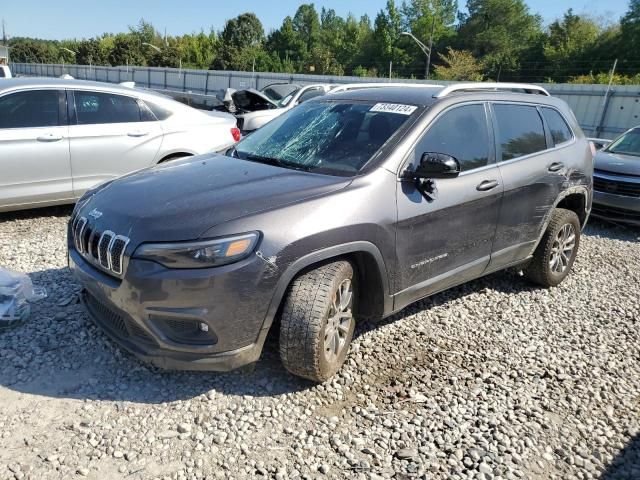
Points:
(103, 249)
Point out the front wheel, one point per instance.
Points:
(554, 257)
(317, 321)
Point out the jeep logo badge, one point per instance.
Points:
(95, 214)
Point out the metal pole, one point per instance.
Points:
(605, 101)
(433, 27)
(390, 68)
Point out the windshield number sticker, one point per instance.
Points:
(394, 108)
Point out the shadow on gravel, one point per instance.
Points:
(59, 211)
(613, 230)
(60, 353)
(626, 466)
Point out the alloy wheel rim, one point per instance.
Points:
(562, 250)
(339, 321)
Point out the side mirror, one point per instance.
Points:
(436, 165)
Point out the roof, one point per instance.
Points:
(427, 96)
(47, 82)
(412, 96)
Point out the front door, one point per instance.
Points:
(110, 135)
(34, 149)
(446, 238)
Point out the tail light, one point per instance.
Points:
(235, 133)
(592, 146)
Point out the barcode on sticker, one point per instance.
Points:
(394, 108)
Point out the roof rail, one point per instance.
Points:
(496, 86)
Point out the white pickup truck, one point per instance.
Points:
(4, 71)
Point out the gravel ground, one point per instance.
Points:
(494, 379)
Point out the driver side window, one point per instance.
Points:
(460, 132)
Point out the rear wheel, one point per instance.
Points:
(554, 257)
(317, 321)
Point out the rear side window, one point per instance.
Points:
(560, 131)
(520, 130)
(2, 75)
(160, 113)
(461, 133)
(309, 94)
(34, 108)
(97, 107)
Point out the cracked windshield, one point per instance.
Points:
(323, 137)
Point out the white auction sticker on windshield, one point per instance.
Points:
(394, 108)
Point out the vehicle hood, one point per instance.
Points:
(246, 99)
(181, 200)
(617, 163)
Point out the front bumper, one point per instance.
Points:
(614, 207)
(206, 319)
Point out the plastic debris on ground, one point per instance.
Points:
(17, 292)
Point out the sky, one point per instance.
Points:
(62, 19)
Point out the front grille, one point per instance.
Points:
(114, 321)
(104, 249)
(616, 187)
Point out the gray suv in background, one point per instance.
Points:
(350, 206)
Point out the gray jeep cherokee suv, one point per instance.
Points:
(349, 206)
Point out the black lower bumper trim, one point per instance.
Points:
(118, 329)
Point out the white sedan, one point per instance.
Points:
(59, 137)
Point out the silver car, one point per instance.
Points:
(58, 138)
(616, 179)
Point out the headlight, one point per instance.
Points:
(200, 254)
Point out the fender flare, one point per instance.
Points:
(319, 256)
(579, 189)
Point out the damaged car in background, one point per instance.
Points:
(616, 180)
(254, 108)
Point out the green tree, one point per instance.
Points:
(240, 36)
(306, 24)
(568, 43)
(91, 52)
(126, 50)
(501, 33)
(386, 36)
(28, 50)
(458, 65)
(630, 33)
(287, 43)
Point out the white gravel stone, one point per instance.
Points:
(493, 379)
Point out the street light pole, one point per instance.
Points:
(159, 50)
(423, 47)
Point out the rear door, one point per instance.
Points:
(446, 239)
(533, 177)
(110, 135)
(34, 148)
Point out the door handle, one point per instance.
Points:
(137, 133)
(49, 138)
(556, 166)
(487, 185)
